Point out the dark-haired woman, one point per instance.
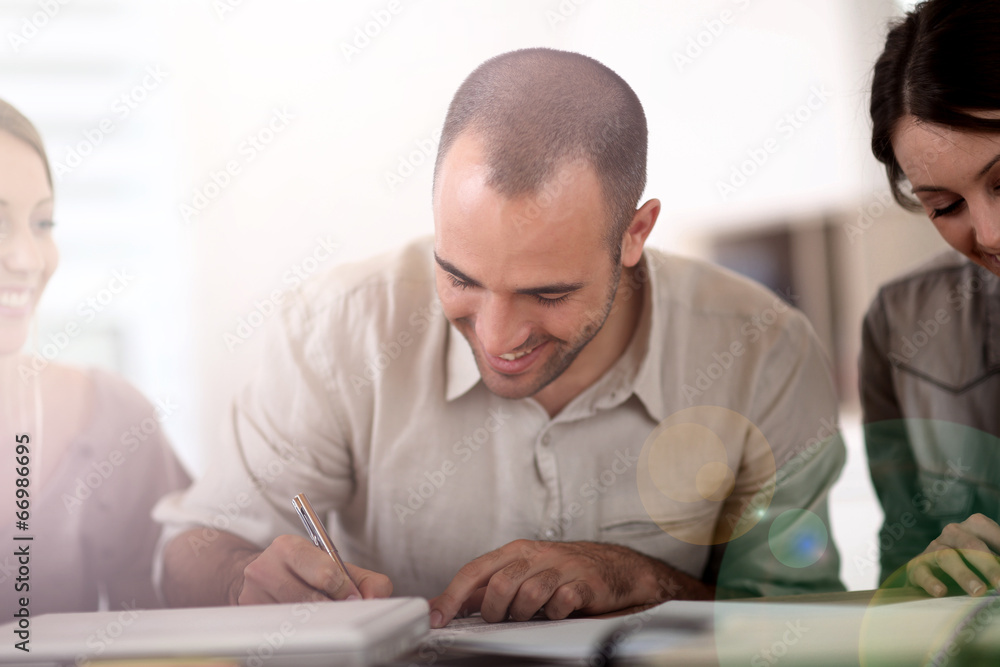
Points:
(930, 362)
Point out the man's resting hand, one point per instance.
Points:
(524, 577)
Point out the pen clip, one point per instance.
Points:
(317, 533)
(307, 522)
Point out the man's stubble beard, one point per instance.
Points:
(561, 361)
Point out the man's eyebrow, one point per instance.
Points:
(554, 288)
(453, 270)
(982, 172)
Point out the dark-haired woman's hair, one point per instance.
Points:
(15, 124)
(941, 64)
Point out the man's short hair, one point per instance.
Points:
(536, 109)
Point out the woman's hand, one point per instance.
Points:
(966, 552)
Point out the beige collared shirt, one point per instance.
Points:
(370, 402)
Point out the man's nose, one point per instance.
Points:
(500, 327)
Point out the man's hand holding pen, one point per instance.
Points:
(292, 569)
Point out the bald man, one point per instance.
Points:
(530, 411)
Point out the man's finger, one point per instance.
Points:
(501, 589)
(474, 575)
(268, 579)
(314, 567)
(370, 584)
(473, 604)
(532, 594)
(568, 598)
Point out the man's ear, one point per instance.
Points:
(638, 231)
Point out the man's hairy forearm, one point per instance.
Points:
(672, 584)
(645, 580)
(202, 573)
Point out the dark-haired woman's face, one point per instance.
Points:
(956, 176)
(28, 254)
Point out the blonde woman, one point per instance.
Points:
(75, 475)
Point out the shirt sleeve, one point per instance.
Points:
(782, 486)
(282, 436)
(905, 532)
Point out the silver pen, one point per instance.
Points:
(317, 533)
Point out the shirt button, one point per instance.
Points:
(551, 534)
(546, 439)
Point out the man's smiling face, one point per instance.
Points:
(528, 281)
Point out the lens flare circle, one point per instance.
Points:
(687, 475)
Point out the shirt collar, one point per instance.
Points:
(463, 373)
(650, 337)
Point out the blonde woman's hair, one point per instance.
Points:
(14, 123)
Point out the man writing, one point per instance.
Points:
(524, 357)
